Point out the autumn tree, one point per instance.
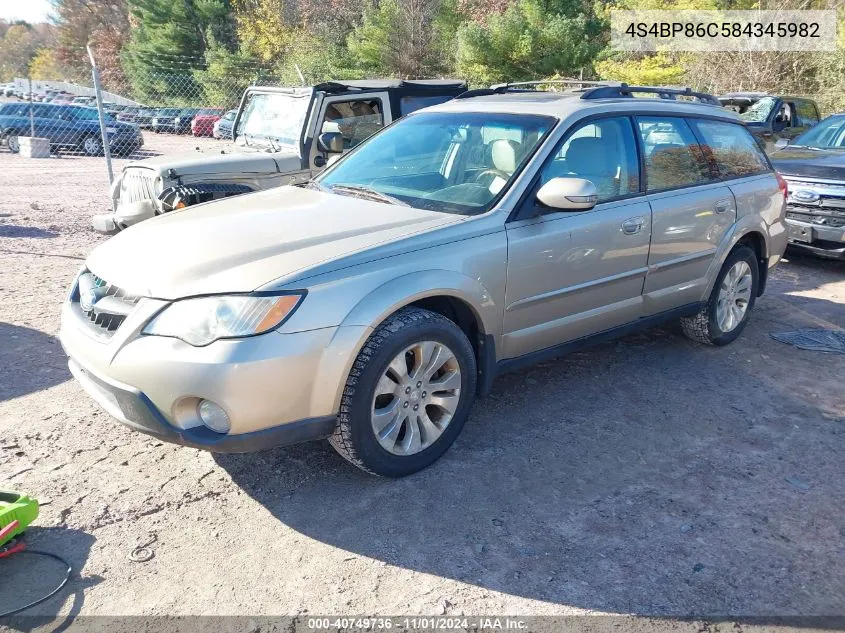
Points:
(18, 46)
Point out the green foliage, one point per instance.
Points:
(652, 70)
(169, 45)
(531, 39)
(405, 38)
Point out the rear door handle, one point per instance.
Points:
(632, 226)
(722, 206)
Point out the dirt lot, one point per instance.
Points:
(648, 476)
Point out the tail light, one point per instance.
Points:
(784, 187)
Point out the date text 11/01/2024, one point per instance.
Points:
(417, 624)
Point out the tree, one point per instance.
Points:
(17, 49)
(408, 38)
(531, 39)
(103, 25)
(649, 70)
(44, 65)
(169, 40)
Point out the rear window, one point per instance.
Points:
(732, 147)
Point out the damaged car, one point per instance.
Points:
(281, 136)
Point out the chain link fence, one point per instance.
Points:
(149, 105)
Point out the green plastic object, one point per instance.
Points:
(16, 506)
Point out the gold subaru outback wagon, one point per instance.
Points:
(373, 304)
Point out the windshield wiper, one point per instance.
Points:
(313, 184)
(367, 192)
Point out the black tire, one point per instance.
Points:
(354, 437)
(14, 143)
(92, 146)
(704, 327)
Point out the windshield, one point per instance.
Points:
(274, 117)
(456, 162)
(828, 134)
(759, 111)
(167, 112)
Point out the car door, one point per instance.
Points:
(354, 117)
(47, 124)
(691, 211)
(576, 273)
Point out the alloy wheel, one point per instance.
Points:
(416, 398)
(91, 146)
(734, 296)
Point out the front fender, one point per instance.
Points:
(386, 299)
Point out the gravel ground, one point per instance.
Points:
(648, 476)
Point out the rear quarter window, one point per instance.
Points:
(732, 148)
(412, 104)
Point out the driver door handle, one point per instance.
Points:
(632, 226)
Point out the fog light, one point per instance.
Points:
(213, 416)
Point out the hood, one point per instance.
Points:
(810, 163)
(242, 243)
(238, 159)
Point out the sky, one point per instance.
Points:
(29, 10)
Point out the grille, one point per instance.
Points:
(137, 185)
(104, 305)
(827, 210)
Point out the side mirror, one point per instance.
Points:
(330, 142)
(568, 194)
(781, 143)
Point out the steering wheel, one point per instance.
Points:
(494, 172)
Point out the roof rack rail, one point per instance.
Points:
(500, 88)
(615, 91)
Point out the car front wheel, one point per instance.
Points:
(408, 394)
(92, 146)
(726, 313)
(14, 143)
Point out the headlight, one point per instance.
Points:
(204, 320)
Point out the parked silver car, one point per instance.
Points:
(373, 304)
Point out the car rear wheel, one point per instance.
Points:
(14, 143)
(92, 146)
(407, 396)
(726, 313)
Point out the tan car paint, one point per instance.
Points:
(531, 284)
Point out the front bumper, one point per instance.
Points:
(134, 409)
(824, 241)
(125, 216)
(276, 388)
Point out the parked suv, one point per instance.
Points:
(814, 169)
(373, 304)
(771, 117)
(276, 142)
(68, 127)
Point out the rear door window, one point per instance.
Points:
(732, 147)
(673, 157)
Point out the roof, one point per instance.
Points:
(565, 104)
(392, 84)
